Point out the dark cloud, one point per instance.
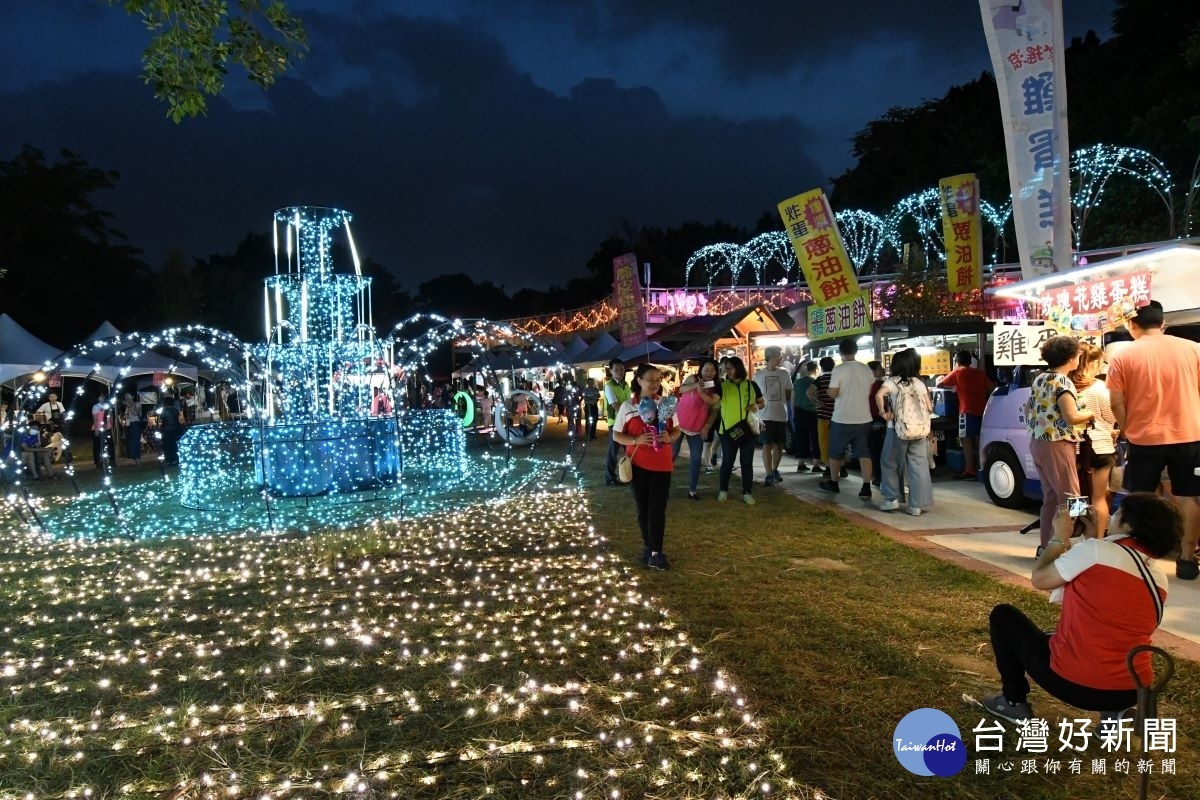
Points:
(772, 37)
(55, 39)
(501, 140)
(452, 159)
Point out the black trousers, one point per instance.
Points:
(809, 442)
(1021, 648)
(744, 448)
(590, 414)
(102, 448)
(170, 442)
(875, 439)
(650, 492)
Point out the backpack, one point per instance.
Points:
(910, 416)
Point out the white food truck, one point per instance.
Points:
(1170, 275)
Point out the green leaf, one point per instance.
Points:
(195, 41)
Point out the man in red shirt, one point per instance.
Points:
(1154, 386)
(973, 387)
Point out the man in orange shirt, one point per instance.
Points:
(973, 387)
(1154, 384)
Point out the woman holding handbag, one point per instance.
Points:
(697, 412)
(739, 397)
(643, 425)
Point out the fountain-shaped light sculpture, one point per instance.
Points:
(328, 421)
(331, 426)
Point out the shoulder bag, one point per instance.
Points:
(741, 428)
(625, 466)
(1151, 586)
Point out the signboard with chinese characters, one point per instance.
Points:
(1025, 41)
(962, 230)
(937, 362)
(848, 317)
(814, 234)
(1096, 296)
(1020, 343)
(627, 291)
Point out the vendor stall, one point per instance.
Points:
(1089, 302)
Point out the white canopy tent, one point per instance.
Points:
(21, 353)
(107, 352)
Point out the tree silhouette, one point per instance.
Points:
(67, 266)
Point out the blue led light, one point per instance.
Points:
(323, 438)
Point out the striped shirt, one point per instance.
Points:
(1096, 398)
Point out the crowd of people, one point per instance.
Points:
(1138, 428)
(880, 416)
(35, 439)
(836, 412)
(1099, 564)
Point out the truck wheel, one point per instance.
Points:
(1005, 479)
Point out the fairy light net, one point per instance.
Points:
(325, 428)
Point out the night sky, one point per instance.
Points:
(504, 139)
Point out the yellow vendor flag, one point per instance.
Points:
(962, 230)
(813, 230)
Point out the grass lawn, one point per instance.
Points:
(513, 649)
(497, 649)
(837, 632)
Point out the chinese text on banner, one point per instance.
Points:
(962, 231)
(1026, 44)
(1020, 344)
(850, 316)
(814, 234)
(627, 289)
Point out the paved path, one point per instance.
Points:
(965, 527)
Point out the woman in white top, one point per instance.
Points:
(1098, 452)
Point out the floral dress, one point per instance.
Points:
(1042, 415)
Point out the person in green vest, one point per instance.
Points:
(616, 392)
(739, 396)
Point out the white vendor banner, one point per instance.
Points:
(1020, 343)
(1025, 39)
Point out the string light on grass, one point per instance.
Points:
(459, 650)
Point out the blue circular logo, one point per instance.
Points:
(927, 742)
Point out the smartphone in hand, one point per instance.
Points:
(1077, 506)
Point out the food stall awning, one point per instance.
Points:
(1174, 272)
(739, 324)
(941, 326)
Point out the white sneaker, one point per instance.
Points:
(889, 505)
(916, 512)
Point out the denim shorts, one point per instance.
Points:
(856, 437)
